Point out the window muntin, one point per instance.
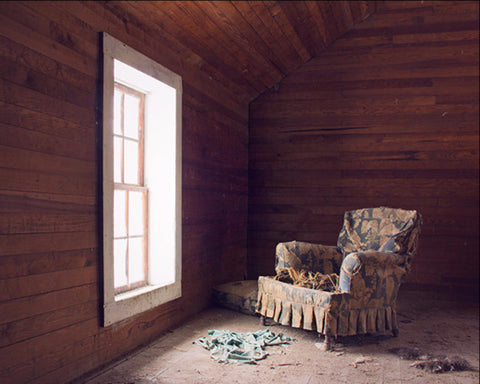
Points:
(129, 240)
(128, 136)
(130, 195)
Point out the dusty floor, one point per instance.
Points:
(434, 326)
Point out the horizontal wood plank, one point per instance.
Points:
(36, 284)
(53, 301)
(36, 326)
(41, 263)
(44, 242)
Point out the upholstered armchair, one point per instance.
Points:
(373, 254)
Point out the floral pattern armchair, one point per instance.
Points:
(373, 254)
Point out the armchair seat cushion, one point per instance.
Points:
(336, 314)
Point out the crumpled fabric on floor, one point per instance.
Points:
(248, 347)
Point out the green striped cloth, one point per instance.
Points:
(248, 347)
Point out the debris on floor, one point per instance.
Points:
(361, 360)
(248, 347)
(434, 364)
(443, 364)
(295, 364)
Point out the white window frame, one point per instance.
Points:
(162, 289)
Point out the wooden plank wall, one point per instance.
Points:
(49, 246)
(388, 115)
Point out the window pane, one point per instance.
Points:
(117, 112)
(117, 159)
(120, 262)
(135, 214)
(131, 162)
(119, 214)
(136, 260)
(132, 105)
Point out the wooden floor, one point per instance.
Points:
(434, 326)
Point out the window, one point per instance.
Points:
(130, 210)
(141, 182)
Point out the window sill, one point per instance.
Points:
(131, 303)
(139, 291)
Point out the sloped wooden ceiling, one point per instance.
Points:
(248, 46)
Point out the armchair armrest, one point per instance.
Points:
(312, 257)
(372, 274)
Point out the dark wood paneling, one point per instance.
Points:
(246, 45)
(50, 253)
(387, 115)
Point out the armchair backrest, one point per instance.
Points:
(380, 229)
